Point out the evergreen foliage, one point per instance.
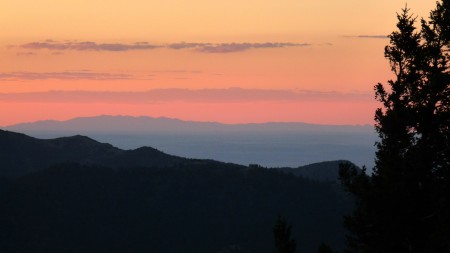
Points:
(282, 236)
(404, 205)
(325, 248)
(203, 208)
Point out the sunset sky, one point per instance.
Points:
(231, 61)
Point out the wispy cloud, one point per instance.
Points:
(88, 46)
(25, 53)
(65, 75)
(178, 71)
(238, 47)
(118, 47)
(367, 36)
(231, 95)
(185, 45)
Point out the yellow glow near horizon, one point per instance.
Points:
(168, 20)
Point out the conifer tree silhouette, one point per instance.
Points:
(282, 236)
(404, 205)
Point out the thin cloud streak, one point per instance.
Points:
(231, 95)
(239, 47)
(185, 45)
(366, 36)
(65, 75)
(88, 46)
(119, 47)
(25, 53)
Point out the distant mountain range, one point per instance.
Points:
(268, 144)
(145, 124)
(75, 194)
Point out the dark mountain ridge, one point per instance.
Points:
(74, 194)
(323, 171)
(21, 154)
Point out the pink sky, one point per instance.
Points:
(196, 60)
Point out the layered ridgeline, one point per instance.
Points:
(268, 144)
(74, 194)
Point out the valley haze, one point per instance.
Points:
(273, 144)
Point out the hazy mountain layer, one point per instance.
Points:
(270, 144)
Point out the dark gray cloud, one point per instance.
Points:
(187, 95)
(88, 46)
(118, 47)
(64, 75)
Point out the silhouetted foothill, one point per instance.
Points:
(98, 198)
(21, 154)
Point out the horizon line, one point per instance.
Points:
(182, 120)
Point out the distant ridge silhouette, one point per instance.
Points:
(108, 123)
(21, 154)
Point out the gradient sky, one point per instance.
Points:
(231, 61)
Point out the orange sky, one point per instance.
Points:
(307, 47)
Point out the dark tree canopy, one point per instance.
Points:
(282, 236)
(404, 205)
(325, 248)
